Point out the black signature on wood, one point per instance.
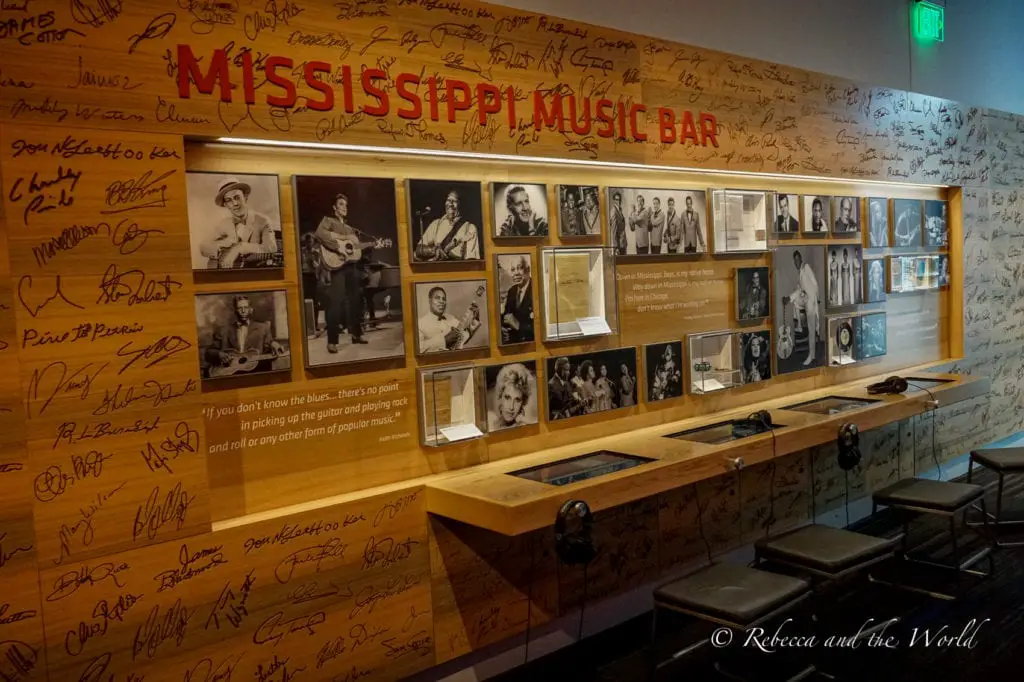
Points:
(275, 628)
(95, 14)
(190, 565)
(311, 592)
(6, 554)
(26, 288)
(70, 434)
(231, 606)
(155, 392)
(159, 628)
(57, 378)
(68, 583)
(134, 287)
(83, 529)
(137, 193)
(386, 552)
(207, 671)
(157, 512)
(102, 613)
(54, 481)
(8, 617)
(157, 28)
(17, 660)
(418, 643)
(316, 555)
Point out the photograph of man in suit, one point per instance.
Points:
(563, 401)
(345, 287)
(693, 238)
(673, 228)
(755, 299)
(846, 222)
(784, 222)
(243, 232)
(517, 313)
(243, 335)
(640, 225)
(817, 216)
(522, 219)
(617, 225)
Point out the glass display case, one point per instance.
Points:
(741, 219)
(582, 468)
(578, 291)
(916, 273)
(841, 341)
(724, 432)
(831, 405)
(714, 362)
(451, 408)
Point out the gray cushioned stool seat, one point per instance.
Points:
(945, 496)
(735, 593)
(822, 548)
(1000, 459)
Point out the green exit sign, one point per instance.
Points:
(929, 21)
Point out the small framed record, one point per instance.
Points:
(841, 341)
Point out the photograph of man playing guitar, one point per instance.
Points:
(452, 236)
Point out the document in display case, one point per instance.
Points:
(714, 362)
(450, 405)
(578, 291)
(741, 220)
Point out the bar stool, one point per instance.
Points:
(1002, 461)
(942, 498)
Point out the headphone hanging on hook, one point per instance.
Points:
(848, 441)
(575, 547)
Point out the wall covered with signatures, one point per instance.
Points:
(130, 549)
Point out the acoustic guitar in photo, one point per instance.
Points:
(242, 362)
(457, 337)
(228, 258)
(347, 250)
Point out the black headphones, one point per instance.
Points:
(892, 385)
(576, 547)
(754, 424)
(848, 441)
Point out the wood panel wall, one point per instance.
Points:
(107, 493)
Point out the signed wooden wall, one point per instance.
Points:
(107, 488)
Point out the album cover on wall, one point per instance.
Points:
(787, 211)
(755, 353)
(878, 222)
(520, 209)
(242, 333)
(450, 405)
(847, 216)
(817, 215)
(663, 370)
(840, 341)
(798, 307)
(512, 398)
(590, 382)
(907, 221)
(348, 254)
(845, 275)
(655, 221)
(513, 272)
(451, 316)
(714, 362)
(936, 224)
(579, 211)
(741, 220)
(234, 220)
(874, 280)
(753, 298)
(445, 220)
(870, 336)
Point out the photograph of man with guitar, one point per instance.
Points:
(588, 383)
(348, 233)
(246, 233)
(243, 333)
(439, 331)
(445, 219)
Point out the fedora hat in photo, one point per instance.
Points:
(227, 186)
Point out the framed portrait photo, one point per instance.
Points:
(798, 307)
(234, 220)
(579, 211)
(520, 209)
(514, 274)
(753, 296)
(242, 333)
(663, 370)
(445, 220)
(511, 395)
(756, 356)
(846, 213)
(874, 280)
(907, 222)
(787, 210)
(845, 275)
(645, 222)
(347, 232)
(451, 316)
(936, 223)
(817, 217)
(878, 222)
(588, 383)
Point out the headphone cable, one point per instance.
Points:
(935, 406)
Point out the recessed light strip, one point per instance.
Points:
(554, 160)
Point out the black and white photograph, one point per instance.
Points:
(234, 220)
(242, 333)
(817, 215)
(514, 272)
(878, 222)
(512, 398)
(752, 294)
(845, 275)
(644, 222)
(787, 210)
(870, 336)
(351, 284)
(847, 216)
(590, 382)
(798, 301)
(520, 209)
(579, 211)
(943, 270)
(446, 220)
(874, 280)
(451, 316)
(663, 370)
(936, 223)
(841, 341)
(906, 227)
(755, 354)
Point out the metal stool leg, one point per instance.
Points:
(653, 671)
(956, 553)
(999, 501)
(970, 469)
